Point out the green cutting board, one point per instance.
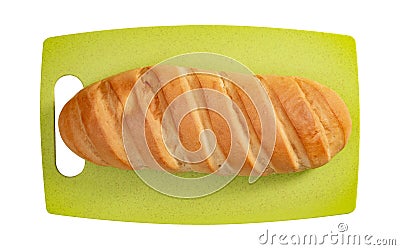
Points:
(114, 194)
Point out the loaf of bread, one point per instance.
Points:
(312, 123)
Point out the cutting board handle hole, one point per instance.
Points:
(67, 162)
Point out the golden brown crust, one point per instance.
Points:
(101, 134)
(312, 122)
(337, 107)
(331, 125)
(303, 118)
(75, 136)
(192, 124)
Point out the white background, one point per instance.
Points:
(24, 221)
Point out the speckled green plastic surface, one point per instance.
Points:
(110, 193)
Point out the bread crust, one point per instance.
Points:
(312, 122)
